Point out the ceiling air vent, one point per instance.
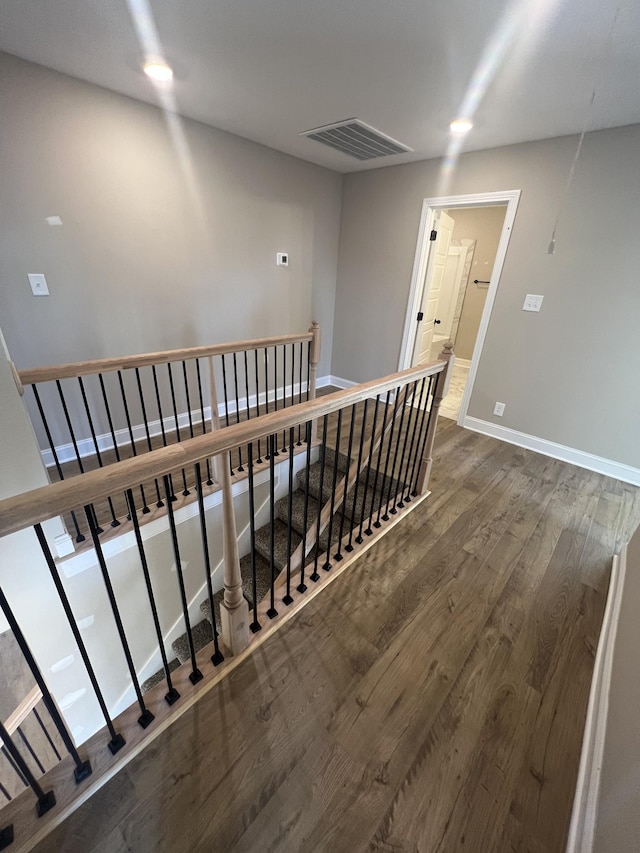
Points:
(357, 139)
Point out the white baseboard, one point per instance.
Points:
(599, 464)
(335, 381)
(463, 362)
(584, 814)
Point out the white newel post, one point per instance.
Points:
(314, 358)
(234, 610)
(442, 386)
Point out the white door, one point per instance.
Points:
(450, 289)
(432, 288)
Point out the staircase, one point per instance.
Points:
(202, 631)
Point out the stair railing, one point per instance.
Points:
(91, 413)
(381, 433)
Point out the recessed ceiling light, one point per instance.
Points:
(460, 125)
(158, 71)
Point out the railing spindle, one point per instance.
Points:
(284, 394)
(349, 546)
(172, 694)
(209, 480)
(255, 626)
(46, 734)
(405, 477)
(416, 456)
(159, 502)
(235, 382)
(145, 507)
(46, 801)
(393, 510)
(272, 612)
(287, 598)
(409, 400)
(388, 457)
(216, 657)
(300, 392)
(336, 463)
(255, 353)
(185, 490)
(338, 555)
(146, 717)
(161, 417)
(114, 520)
(323, 451)
(195, 674)
(385, 413)
(31, 750)
(359, 538)
(79, 535)
(302, 587)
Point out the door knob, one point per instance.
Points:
(437, 322)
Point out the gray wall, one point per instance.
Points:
(142, 263)
(567, 374)
(484, 225)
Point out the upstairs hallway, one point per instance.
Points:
(432, 698)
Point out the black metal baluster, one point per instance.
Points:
(255, 626)
(79, 535)
(46, 733)
(4, 791)
(75, 443)
(284, 393)
(31, 750)
(272, 612)
(255, 353)
(323, 451)
(216, 657)
(172, 694)
(14, 766)
(226, 404)
(83, 768)
(414, 491)
(145, 507)
(146, 717)
(300, 392)
(114, 520)
(302, 587)
(293, 375)
(159, 501)
(369, 531)
(334, 484)
(343, 508)
(417, 456)
(275, 394)
(209, 480)
(45, 801)
(387, 458)
(408, 405)
(161, 417)
(117, 740)
(185, 490)
(266, 400)
(349, 545)
(246, 387)
(359, 538)
(288, 599)
(195, 675)
(235, 382)
(393, 509)
(405, 477)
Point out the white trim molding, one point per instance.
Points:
(585, 803)
(590, 461)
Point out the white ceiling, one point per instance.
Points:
(269, 69)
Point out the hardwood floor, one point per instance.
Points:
(432, 699)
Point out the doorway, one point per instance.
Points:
(462, 244)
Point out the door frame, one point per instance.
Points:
(420, 277)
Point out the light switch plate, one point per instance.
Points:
(282, 259)
(532, 302)
(38, 284)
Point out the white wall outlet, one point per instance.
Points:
(532, 302)
(38, 284)
(282, 259)
(498, 409)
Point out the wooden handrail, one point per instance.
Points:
(38, 505)
(104, 365)
(17, 717)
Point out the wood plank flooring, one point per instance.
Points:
(432, 699)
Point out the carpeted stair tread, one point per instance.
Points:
(158, 676)
(280, 541)
(201, 633)
(205, 607)
(297, 510)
